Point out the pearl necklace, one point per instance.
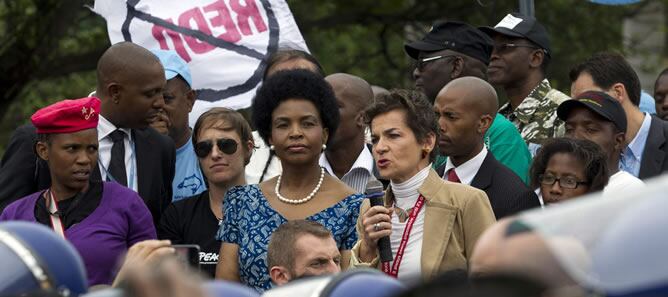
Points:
(300, 201)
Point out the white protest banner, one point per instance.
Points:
(225, 42)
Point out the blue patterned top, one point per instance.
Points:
(250, 221)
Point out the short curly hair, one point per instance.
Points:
(588, 153)
(420, 116)
(294, 84)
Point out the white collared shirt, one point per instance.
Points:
(466, 171)
(358, 175)
(104, 129)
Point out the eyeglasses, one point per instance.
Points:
(225, 145)
(506, 47)
(567, 182)
(424, 61)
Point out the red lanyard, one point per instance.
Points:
(404, 240)
(56, 224)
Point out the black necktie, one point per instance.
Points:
(117, 162)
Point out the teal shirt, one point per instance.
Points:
(507, 146)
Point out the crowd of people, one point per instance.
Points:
(275, 195)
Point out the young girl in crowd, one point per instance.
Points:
(566, 168)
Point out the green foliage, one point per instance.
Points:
(49, 50)
(49, 47)
(366, 38)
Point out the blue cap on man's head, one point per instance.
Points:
(173, 65)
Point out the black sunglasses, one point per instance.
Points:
(225, 145)
(567, 182)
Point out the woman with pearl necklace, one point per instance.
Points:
(294, 111)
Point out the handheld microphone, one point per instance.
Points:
(374, 192)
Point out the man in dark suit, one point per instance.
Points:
(466, 107)
(451, 50)
(646, 153)
(130, 84)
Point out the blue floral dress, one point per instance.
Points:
(250, 221)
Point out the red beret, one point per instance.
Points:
(67, 116)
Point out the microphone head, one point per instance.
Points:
(373, 186)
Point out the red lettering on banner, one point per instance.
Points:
(244, 12)
(185, 19)
(158, 31)
(223, 18)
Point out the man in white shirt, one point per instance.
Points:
(347, 156)
(466, 108)
(598, 117)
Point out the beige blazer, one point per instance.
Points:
(455, 216)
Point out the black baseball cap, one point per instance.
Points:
(598, 102)
(521, 26)
(456, 36)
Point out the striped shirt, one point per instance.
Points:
(360, 173)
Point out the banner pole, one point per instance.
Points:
(527, 8)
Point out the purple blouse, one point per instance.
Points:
(121, 220)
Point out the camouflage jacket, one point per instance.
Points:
(536, 117)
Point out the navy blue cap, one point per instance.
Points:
(599, 103)
(456, 36)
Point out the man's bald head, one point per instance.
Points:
(486, 252)
(353, 95)
(352, 88)
(479, 95)
(120, 62)
(130, 82)
(525, 253)
(466, 108)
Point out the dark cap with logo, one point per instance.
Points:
(456, 36)
(599, 103)
(521, 26)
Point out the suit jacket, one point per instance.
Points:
(655, 156)
(455, 216)
(507, 193)
(23, 173)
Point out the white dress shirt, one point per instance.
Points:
(467, 170)
(104, 129)
(358, 175)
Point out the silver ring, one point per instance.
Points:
(376, 227)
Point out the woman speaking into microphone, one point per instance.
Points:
(432, 224)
